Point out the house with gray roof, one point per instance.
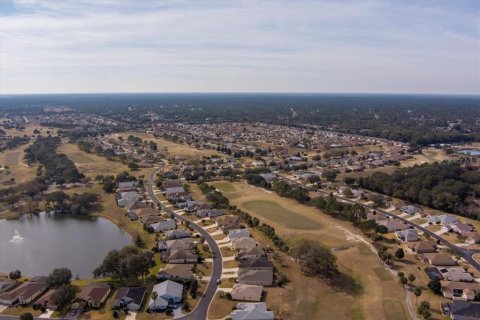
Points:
(444, 219)
(252, 311)
(177, 234)
(168, 294)
(168, 224)
(238, 233)
(409, 209)
(407, 235)
(255, 277)
(130, 298)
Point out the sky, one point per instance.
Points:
(368, 46)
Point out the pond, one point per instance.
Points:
(36, 244)
(471, 152)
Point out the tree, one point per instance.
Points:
(329, 175)
(193, 289)
(435, 286)
(424, 310)
(139, 242)
(315, 259)
(58, 277)
(26, 316)
(133, 166)
(128, 263)
(399, 254)
(12, 199)
(403, 280)
(14, 275)
(63, 295)
(417, 292)
(411, 277)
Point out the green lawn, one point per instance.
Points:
(393, 310)
(12, 158)
(274, 212)
(364, 249)
(224, 186)
(383, 274)
(79, 157)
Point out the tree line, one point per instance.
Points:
(446, 186)
(55, 167)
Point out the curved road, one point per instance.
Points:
(201, 310)
(465, 253)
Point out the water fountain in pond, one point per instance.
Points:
(17, 237)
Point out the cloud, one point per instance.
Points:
(235, 46)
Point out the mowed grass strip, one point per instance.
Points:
(393, 310)
(78, 157)
(274, 212)
(364, 249)
(382, 274)
(224, 186)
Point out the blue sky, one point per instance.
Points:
(58, 46)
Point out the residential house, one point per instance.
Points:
(132, 215)
(93, 295)
(162, 245)
(237, 233)
(244, 244)
(210, 213)
(46, 301)
(411, 210)
(246, 292)
(407, 235)
(182, 256)
(392, 225)
(462, 310)
(248, 311)
(130, 298)
(180, 244)
(423, 247)
(171, 184)
(6, 284)
(255, 277)
(455, 274)
(439, 259)
(261, 263)
(23, 294)
(444, 219)
(179, 197)
(253, 253)
(177, 234)
(126, 197)
(459, 290)
(227, 223)
(472, 237)
(376, 216)
(460, 227)
(135, 205)
(168, 294)
(151, 219)
(176, 272)
(164, 225)
(126, 184)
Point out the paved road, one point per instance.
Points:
(201, 310)
(464, 253)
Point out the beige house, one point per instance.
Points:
(245, 292)
(459, 290)
(439, 259)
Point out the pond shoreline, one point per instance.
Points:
(41, 237)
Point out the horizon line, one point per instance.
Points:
(242, 92)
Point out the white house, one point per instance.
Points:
(167, 294)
